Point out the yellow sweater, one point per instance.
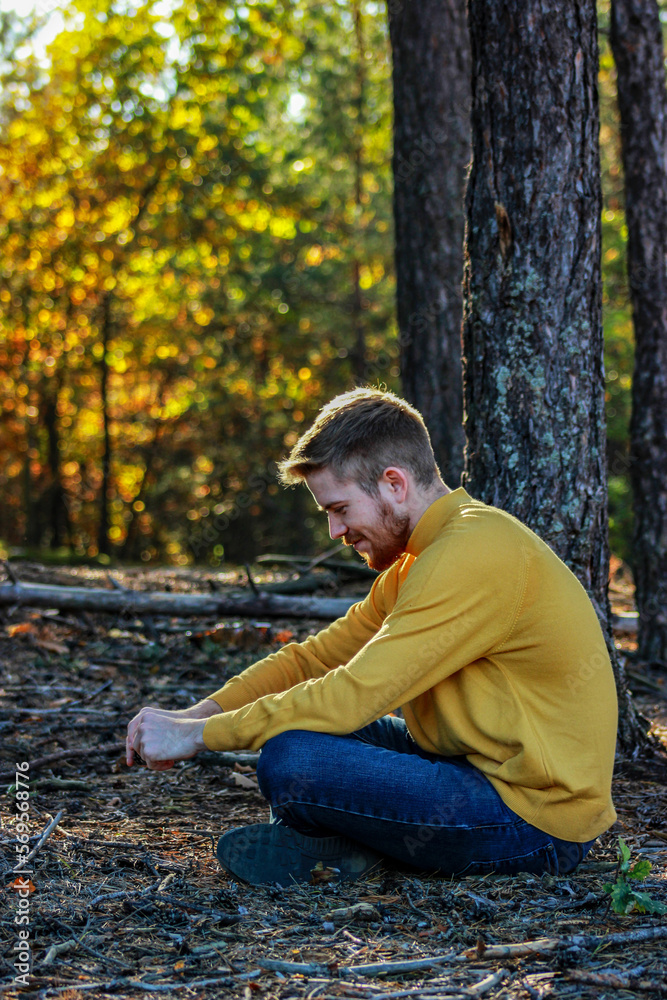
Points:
(491, 647)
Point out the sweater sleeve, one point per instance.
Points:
(299, 662)
(449, 612)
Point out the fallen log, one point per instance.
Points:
(141, 602)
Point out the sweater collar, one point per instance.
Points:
(434, 519)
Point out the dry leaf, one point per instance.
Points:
(319, 874)
(42, 636)
(52, 646)
(21, 629)
(20, 883)
(241, 781)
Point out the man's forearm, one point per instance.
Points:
(204, 709)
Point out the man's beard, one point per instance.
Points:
(388, 541)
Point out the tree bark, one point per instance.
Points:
(431, 74)
(532, 331)
(637, 45)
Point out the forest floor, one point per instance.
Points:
(127, 898)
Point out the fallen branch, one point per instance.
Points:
(140, 602)
(221, 758)
(373, 969)
(541, 946)
(617, 981)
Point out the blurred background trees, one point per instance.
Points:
(196, 250)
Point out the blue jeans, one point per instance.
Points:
(378, 787)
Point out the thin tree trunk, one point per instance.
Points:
(431, 74)
(636, 40)
(533, 370)
(359, 348)
(33, 527)
(58, 513)
(103, 543)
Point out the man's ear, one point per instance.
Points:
(395, 481)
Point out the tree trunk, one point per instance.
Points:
(358, 352)
(58, 513)
(431, 73)
(636, 40)
(532, 332)
(103, 543)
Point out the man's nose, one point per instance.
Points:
(337, 527)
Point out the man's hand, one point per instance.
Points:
(161, 737)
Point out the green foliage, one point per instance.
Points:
(624, 897)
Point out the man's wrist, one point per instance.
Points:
(199, 736)
(207, 708)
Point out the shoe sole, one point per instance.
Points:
(265, 853)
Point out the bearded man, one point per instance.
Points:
(503, 757)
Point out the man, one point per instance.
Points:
(503, 759)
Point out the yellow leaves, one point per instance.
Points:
(203, 317)
(65, 218)
(365, 278)
(185, 116)
(125, 162)
(314, 256)
(282, 228)
(207, 143)
(204, 465)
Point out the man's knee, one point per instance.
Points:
(287, 765)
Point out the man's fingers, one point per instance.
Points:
(132, 727)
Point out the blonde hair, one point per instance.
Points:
(358, 435)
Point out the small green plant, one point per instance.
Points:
(624, 898)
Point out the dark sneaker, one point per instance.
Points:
(271, 852)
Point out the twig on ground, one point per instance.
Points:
(478, 990)
(44, 837)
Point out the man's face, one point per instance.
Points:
(375, 526)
